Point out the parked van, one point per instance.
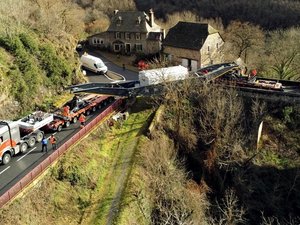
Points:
(93, 63)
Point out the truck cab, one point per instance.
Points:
(10, 140)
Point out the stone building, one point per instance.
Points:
(130, 32)
(193, 45)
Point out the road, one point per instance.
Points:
(22, 164)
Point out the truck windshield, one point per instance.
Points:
(99, 64)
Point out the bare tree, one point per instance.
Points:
(173, 201)
(229, 211)
(243, 39)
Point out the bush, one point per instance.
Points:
(32, 61)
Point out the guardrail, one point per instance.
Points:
(39, 169)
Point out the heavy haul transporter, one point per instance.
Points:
(72, 110)
(18, 136)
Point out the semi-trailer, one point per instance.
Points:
(17, 136)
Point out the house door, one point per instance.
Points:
(194, 65)
(188, 63)
(185, 63)
(127, 48)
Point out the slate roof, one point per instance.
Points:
(188, 35)
(127, 21)
(154, 36)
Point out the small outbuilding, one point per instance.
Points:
(193, 45)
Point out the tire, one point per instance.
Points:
(23, 147)
(87, 113)
(94, 109)
(67, 123)
(31, 141)
(59, 128)
(74, 120)
(6, 158)
(100, 106)
(39, 136)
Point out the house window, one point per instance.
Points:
(118, 35)
(94, 40)
(101, 41)
(137, 36)
(138, 47)
(127, 36)
(117, 47)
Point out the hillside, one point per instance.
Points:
(37, 56)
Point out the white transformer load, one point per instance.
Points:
(161, 75)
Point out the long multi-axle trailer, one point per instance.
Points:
(17, 136)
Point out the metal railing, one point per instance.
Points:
(39, 169)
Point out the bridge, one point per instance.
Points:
(225, 75)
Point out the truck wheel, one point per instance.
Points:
(100, 106)
(74, 120)
(94, 109)
(67, 123)
(31, 142)
(87, 113)
(59, 128)
(23, 147)
(39, 136)
(6, 158)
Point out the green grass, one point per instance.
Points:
(123, 143)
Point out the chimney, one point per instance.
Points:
(116, 11)
(151, 14)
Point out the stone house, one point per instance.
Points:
(130, 32)
(193, 45)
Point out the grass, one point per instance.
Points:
(123, 142)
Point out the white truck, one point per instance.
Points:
(93, 64)
(18, 136)
(161, 75)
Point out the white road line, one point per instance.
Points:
(5, 169)
(26, 154)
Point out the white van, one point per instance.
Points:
(93, 63)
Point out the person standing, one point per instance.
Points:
(53, 142)
(44, 144)
(82, 120)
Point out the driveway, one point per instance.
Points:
(128, 74)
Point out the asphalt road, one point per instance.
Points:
(22, 164)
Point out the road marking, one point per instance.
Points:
(26, 154)
(5, 169)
